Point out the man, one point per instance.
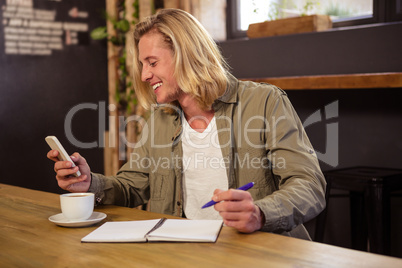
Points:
(209, 132)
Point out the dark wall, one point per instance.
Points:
(369, 124)
(36, 94)
(369, 121)
(364, 49)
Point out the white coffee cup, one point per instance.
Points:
(77, 206)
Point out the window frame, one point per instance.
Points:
(383, 11)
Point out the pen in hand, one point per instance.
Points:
(244, 188)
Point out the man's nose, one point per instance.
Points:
(145, 74)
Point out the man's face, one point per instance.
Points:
(158, 67)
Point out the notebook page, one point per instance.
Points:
(187, 230)
(122, 231)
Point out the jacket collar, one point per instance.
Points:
(230, 95)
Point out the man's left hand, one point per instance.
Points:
(238, 210)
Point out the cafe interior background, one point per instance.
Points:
(60, 76)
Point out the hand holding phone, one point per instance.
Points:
(63, 156)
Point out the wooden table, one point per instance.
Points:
(29, 239)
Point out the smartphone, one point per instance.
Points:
(63, 156)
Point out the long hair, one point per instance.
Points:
(200, 69)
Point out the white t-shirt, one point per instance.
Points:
(203, 170)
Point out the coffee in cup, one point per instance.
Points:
(77, 206)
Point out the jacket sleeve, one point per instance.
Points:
(130, 186)
(129, 189)
(300, 182)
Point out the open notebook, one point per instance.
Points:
(178, 230)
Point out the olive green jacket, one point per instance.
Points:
(262, 140)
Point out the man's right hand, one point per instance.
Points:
(64, 171)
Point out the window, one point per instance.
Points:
(343, 12)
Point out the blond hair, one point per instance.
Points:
(200, 69)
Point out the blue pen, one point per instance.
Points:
(244, 188)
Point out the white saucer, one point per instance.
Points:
(59, 219)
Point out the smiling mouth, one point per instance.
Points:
(156, 85)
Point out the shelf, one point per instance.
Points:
(343, 81)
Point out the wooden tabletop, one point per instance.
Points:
(29, 239)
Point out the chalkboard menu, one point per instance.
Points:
(53, 81)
